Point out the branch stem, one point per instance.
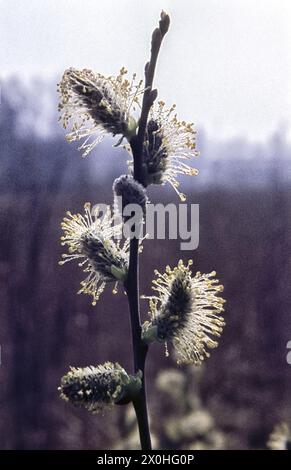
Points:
(140, 349)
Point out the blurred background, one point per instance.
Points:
(227, 66)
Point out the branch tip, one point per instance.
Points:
(164, 23)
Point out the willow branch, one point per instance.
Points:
(132, 285)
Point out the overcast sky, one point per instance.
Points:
(225, 63)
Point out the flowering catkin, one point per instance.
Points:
(168, 144)
(95, 104)
(186, 311)
(90, 239)
(98, 388)
(280, 438)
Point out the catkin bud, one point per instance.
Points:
(128, 191)
(164, 23)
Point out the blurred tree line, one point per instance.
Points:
(245, 227)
